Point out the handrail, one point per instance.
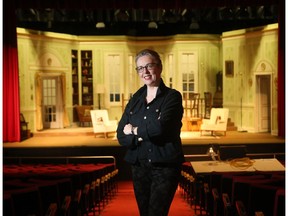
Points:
(265, 154)
(273, 155)
(66, 158)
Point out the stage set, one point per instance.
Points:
(81, 141)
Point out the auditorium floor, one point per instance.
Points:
(85, 137)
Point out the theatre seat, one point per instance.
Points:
(26, 201)
(240, 208)
(262, 198)
(227, 206)
(65, 189)
(279, 204)
(8, 208)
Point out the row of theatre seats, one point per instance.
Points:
(58, 189)
(234, 194)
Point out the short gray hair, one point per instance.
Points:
(149, 52)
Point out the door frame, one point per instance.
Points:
(59, 104)
(258, 116)
(39, 98)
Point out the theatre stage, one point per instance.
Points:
(82, 142)
(83, 136)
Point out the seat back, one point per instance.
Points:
(22, 119)
(100, 121)
(26, 201)
(100, 116)
(213, 116)
(208, 104)
(262, 198)
(83, 111)
(23, 127)
(195, 104)
(219, 116)
(195, 100)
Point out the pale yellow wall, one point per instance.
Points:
(248, 49)
(34, 50)
(36, 47)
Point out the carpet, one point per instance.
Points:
(124, 203)
(197, 135)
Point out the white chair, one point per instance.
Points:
(217, 122)
(101, 122)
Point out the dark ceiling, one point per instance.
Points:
(132, 19)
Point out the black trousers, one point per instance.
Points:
(154, 187)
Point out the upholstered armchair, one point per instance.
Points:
(217, 122)
(101, 122)
(83, 113)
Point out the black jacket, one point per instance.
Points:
(159, 125)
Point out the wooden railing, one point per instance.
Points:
(189, 111)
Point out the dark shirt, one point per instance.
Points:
(159, 126)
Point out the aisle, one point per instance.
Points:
(124, 203)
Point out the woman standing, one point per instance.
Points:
(150, 129)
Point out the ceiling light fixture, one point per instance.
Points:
(242, 13)
(152, 25)
(100, 25)
(194, 25)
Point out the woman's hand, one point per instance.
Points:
(128, 129)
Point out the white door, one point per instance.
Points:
(263, 103)
(189, 68)
(52, 104)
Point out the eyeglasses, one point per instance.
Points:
(149, 66)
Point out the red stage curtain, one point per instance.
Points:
(11, 101)
(281, 70)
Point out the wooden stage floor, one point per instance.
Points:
(69, 137)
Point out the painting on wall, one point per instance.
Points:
(229, 68)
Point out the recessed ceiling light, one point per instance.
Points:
(152, 25)
(100, 25)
